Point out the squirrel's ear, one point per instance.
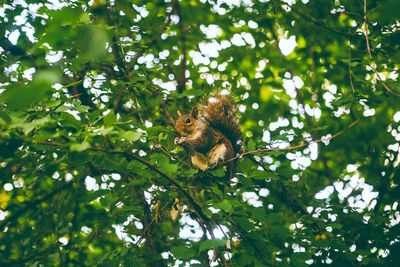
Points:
(195, 112)
(179, 113)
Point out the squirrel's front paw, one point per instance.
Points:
(179, 140)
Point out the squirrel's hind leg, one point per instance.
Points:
(219, 154)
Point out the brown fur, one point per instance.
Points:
(220, 113)
(214, 135)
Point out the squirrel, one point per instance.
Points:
(213, 136)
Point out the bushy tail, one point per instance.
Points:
(220, 113)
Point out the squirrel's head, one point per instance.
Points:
(186, 124)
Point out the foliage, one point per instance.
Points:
(89, 171)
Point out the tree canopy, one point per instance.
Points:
(90, 174)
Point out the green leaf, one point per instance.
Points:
(211, 243)
(131, 136)
(82, 108)
(69, 121)
(224, 205)
(219, 172)
(79, 147)
(170, 168)
(53, 103)
(91, 41)
(182, 252)
(261, 175)
(5, 118)
(299, 259)
(27, 127)
(21, 96)
(109, 119)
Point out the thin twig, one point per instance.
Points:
(366, 30)
(350, 72)
(370, 54)
(166, 152)
(383, 82)
(149, 225)
(167, 113)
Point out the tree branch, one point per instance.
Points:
(291, 147)
(316, 22)
(181, 77)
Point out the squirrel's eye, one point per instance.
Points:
(188, 120)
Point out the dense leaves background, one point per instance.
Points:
(89, 172)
